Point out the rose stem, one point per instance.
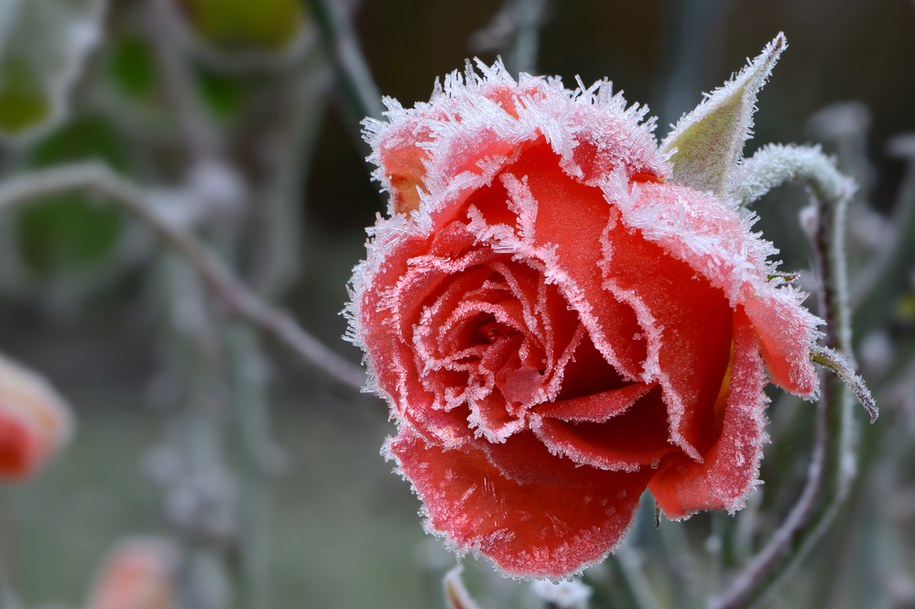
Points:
(238, 298)
(832, 465)
(876, 290)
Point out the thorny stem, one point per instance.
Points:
(349, 61)
(833, 461)
(235, 296)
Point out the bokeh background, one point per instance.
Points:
(88, 298)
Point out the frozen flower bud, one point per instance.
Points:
(137, 574)
(34, 421)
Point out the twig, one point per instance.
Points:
(352, 70)
(833, 461)
(239, 300)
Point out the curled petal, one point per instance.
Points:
(716, 241)
(731, 465)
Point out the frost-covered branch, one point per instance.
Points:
(238, 298)
(833, 462)
(777, 164)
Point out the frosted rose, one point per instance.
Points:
(34, 421)
(557, 327)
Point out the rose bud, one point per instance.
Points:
(34, 421)
(138, 573)
(559, 323)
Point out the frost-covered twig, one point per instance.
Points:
(776, 164)
(833, 462)
(346, 54)
(238, 299)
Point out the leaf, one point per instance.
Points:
(132, 65)
(43, 46)
(66, 247)
(231, 25)
(706, 145)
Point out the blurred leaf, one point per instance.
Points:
(224, 94)
(66, 232)
(132, 65)
(235, 25)
(70, 233)
(43, 45)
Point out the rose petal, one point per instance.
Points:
(548, 199)
(731, 465)
(595, 407)
(688, 324)
(632, 439)
(717, 241)
(528, 529)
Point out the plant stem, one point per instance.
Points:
(349, 62)
(252, 409)
(234, 295)
(833, 461)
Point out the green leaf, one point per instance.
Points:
(234, 25)
(43, 46)
(706, 145)
(132, 65)
(70, 234)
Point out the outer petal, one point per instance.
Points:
(717, 241)
(688, 326)
(527, 529)
(731, 466)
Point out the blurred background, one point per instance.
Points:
(233, 119)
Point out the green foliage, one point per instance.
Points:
(132, 65)
(707, 143)
(22, 102)
(241, 24)
(223, 94)
(43, 44)
(70, 233)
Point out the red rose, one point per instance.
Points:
(556, 327)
